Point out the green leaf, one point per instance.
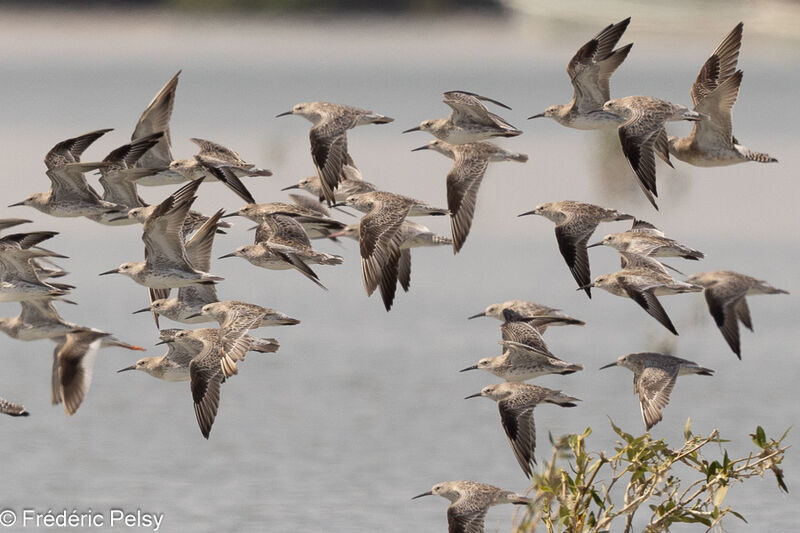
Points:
(760, 438)
(737, 515)
(720, 495)
(687, 429)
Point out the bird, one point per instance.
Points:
(230, 313)
(6, 223)
(72, 369)
(350, 183)
(590, 71)
(215, 162)
(654, 376)
(191, 298)
(550, 316)
(470, 162)
(19, 279)
(281, 243)
(413, 235)
(70, 195)
(166, 265)
(575, 223)
(328, 137)
(725, 293)
(469, 121)
(12, 409)
(38, 319)
(643, 282)
(521, 362)
(711, 142)
(645, 239)
(174, 365)
(516, 402)
(379, 237)
(642, 134)
(469, 503)
(313, 222)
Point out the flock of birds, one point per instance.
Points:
(178, 244)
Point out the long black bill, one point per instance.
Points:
(429, 493)
(283, 114)
(608, 365)
(412, 129)
(132, 367)
(476, 316)
(477, 394)
(540, 115)
(114, 271)
(473, 367)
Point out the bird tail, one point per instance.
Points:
(520, 500)
(758, 157)
(264, 345)
(562, 399)
(694, 255)
(441, 239)
(377, 119)
(571, 369)
(255, 171)
(522, 158)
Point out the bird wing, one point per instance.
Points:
(648, 301)
(463, 517)
(217, 151)
(654, 386)
(638, 136)
(720, 65)
(521, 432)
(329, 152)
(724, 310)
(591, 67)
(75, 364)
(226, 175)
(162, 230)
(572, 236)
(718, 129)
(154, 119)
(404, 269)
(379, 240)
(206, 376)
(463, 182)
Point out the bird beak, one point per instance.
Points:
(132, 367)
(598, 243)
(608, 365)
(583, 288)
(337, 234)
(146, 309)
(113, 271)
(234, 214)
(426, 147)
(123, 217)
(17, 204)
(295, 186)
(284, 114)
(119, 344)
(527, 213)
(412, 129)
(194, 315)
(476, 316)
(339, 204)
(473, 367)
(476, 395)
(232, 254)
(540, 115)
(429, 493)
(161, 342)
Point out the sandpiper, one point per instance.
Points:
(520, 362)
(166, 265)
(314, 224)
(642, 134)
(711, 142)
(643, 284)
(380, 237)
(215, 162)
(469, 503)
(654, 376)
(516, 402)
(645, 239)
(231, 313)
(75, 360)
(590, 71)
(575, 223)
(328, 137)
(282, 244)
(350, 183)
(413, 235)
(70, 195)
(530, 311)
(193, 297)
(469, 121)
(725, 293)
(464, 179)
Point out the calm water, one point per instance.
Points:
(360, 409)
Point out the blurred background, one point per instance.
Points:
(361, 409)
